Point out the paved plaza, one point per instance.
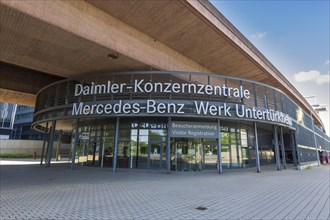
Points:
(37, 192)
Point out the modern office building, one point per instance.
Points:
(7, 117)
(22, 129)
(165, 85)
(16, 122)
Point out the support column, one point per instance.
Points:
(103, 143)
(317, 151)
(219, 164)
(282, 147)
(20, 132)
(293, 148)
(47, 149)
(51, 140)
(116, 146)
(43, 145)
(57, 157)
(168, 147)
(277, 151)
(256, 147)
(76, 137)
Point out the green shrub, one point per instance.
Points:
(309, 167)
(16, 156)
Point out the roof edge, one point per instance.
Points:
(261, 58)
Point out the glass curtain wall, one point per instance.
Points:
(235, 149)
(143, 145)
(196, 154)
(210, 154)
(147, 145)
(187, 154)
(95, 144)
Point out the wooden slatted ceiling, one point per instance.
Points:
(31, 43)
(191, 36)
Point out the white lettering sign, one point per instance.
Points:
(172, 107)
(140, 86)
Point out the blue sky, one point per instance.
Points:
(293, 35)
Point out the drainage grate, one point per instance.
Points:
(202, 208)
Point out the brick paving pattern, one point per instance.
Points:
(37, 192)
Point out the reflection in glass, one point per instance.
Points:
(157, 155)
(210, 154)
(147, 146)
(188, 154)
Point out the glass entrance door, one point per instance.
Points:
(210, 156)
(157, 155)
(188, 155)
(231, 149)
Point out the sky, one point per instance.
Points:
(293, 35)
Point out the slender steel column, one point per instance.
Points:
(293, 148)
(315, 143)
(57, 157)
(219, 164)
(277, 151)
(103, 143)
(43, 145)
(137, 147)
(256, 147)
(116, 146)
(168, 147)
(76, 137)
(48, 143)
(283, 148)
(51, 140)
(161, 157)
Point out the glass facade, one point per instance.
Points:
(7, 116)
(143, 104)
(143, 145)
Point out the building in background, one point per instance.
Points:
(7, 118)
(22, 125)
(16, 122)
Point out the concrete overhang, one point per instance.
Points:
(71, 38)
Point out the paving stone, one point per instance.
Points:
(37, 192)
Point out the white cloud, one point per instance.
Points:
(306, 76)
(259, 35)
(323, 79)
(326, 63)
(313, 75)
